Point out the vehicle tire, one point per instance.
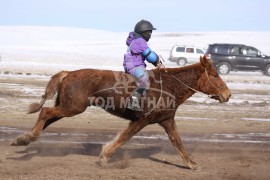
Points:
(181, 62)
(267, 70)
(224, 68)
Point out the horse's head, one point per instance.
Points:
(211, 83)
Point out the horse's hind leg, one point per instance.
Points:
(171, 129)
(111, 147)
(47, 115)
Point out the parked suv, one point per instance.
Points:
(238, 57)
(185, 54)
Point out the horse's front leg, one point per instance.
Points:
(171, 129)
(111, 147)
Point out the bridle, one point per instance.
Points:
(218, 88)
(161, 89)
(209, 96)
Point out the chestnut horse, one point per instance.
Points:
(110, 90)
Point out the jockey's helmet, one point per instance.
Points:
(143, 26)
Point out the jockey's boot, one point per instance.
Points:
(134, 102)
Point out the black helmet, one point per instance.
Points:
(143, 26)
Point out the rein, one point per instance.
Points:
(161, 89)
(183, 83)
(212, 95)
(209, 96)
(161, 92)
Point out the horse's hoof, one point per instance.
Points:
(19, 141)
(102, 162)
(191, 165)
(23, 140)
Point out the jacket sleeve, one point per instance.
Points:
(151, 56)
(140, 47)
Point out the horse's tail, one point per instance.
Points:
(51, 89)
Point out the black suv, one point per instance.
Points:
(238, 57)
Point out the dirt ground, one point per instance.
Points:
(228, 141)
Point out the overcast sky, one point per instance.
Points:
(122, 15)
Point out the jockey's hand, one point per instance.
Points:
(160, 66)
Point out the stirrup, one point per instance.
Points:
(134, 104)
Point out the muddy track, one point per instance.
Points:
(228, 141)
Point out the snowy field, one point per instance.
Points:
(52, 49)
(33, 51)
(38, 52)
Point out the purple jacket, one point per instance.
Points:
(137, 45)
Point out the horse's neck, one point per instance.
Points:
(181, 77)
(188, 74)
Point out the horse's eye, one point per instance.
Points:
(216, 77)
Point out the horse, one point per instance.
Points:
(110, 90)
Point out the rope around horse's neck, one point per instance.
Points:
(161, 89)
(161, 92)
(196, 91)
(183, 82)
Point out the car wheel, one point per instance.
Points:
(224, 68)
(267, 70)
(181, 62)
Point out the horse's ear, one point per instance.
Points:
(208, 65)
(205, 62)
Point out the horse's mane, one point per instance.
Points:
(182, 69)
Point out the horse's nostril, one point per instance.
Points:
(228, 97)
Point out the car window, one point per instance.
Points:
(232, 50)
(190, 50)
(243, 51)
(247, 51)
(180, 49)
(212, 49)
(260, 53)
(235, 50)
(252, 52)
(223, 49)
(199, 51)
